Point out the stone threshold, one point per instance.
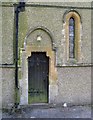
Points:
(51, 105)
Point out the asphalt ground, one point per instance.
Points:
(49, 112)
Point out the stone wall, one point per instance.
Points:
(70, 78)
(8, 75)
(7, 35)
(52, 19)
(8, 87)
(0, 57)
(74, 85)
(74, 81)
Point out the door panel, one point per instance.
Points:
(38, 72)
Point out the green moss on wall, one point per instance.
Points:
(22, 31)
(22, 28)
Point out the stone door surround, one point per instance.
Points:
(31, 44)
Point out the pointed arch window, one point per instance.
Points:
(71, 37)
(72, 27)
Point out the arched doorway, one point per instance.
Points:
(38, 46)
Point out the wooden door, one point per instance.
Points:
(38, 77)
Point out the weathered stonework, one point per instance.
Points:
(8, 70)
(0, 88)
(0, 58)
(8, 87)
(69, 81)
(32, 45)
(74, 85)
(7, 35)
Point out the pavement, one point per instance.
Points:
(49, 111)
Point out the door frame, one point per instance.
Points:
(23, 82)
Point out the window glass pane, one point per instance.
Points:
(71, 21)
(71, 37)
